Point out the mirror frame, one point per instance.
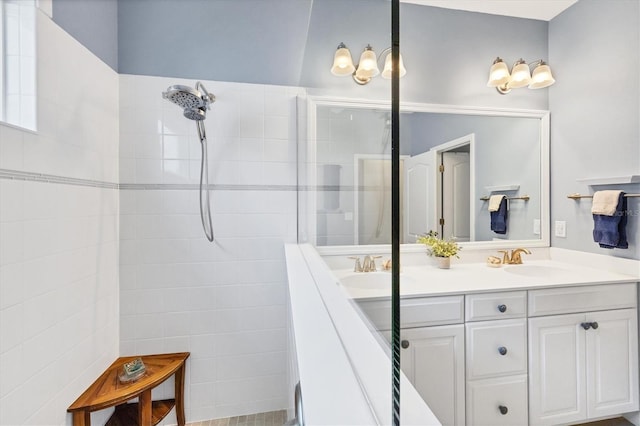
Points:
(313, 102)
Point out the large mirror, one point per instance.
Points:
(453, 160)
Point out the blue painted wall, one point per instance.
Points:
(291, 42)
(94, 23)
(250, 41)
(595, 113)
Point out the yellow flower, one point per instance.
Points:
(438, 247)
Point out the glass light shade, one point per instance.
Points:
(386, 72)
(361, 77)
(541, 77)
(342, 62)
(520, 75)
(498, 74)
(368, 65)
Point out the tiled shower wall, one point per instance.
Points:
(59, 236)
(225, 301)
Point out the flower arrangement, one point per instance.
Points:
(439, 247)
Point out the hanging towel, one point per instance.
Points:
(499, 217)
(494, 202)
(605, 202)
(610, 231)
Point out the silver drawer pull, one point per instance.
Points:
(502, 350)
(502, 308)
(503, 410)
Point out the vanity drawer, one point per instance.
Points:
(496, 348)
(416, 312)
(510, 304)
(497, 402)
(581, 299)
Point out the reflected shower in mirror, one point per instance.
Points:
(452, 161)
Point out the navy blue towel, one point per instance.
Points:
(499, 218)
(609, 231)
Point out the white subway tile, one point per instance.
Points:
(11, 200)
(278, 127)
(11, 243)
(203, 394)
(280, 150)
(149, 171)
(176, 171)
(149, 346)
(176, 300)
(11, 370)
(177, 147)
(11, 327)
(176, 324)
(203, 370)
(11, 285)
(202, 322)
(147, 146)
(252, 125)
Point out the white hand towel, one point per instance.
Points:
(494, 202)
(605, 202)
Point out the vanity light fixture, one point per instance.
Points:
(520, 75)
(367, 67)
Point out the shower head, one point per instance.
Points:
(184, 96)
(197, 114)
(194, 102)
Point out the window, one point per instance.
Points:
(18, 63)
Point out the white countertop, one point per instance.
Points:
(427, 280)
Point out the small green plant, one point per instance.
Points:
(439, 247)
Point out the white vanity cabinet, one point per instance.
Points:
(583, 353)
(496, 359)
(432, 349)
(549, 356)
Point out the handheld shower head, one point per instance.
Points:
(196, 114)
(194, 102)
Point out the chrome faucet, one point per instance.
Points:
(515, 258)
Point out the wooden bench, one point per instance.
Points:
(107, 391)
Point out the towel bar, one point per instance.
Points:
(524, 197)
(578, 196)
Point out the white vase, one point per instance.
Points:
(443, 262)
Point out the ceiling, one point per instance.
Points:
(543, 10)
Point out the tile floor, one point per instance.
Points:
(618, 421)
(272, 418)
(277, 418)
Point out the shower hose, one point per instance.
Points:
(205, 207)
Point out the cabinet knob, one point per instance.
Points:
(503, 410)
(502, 350)
(586, 325)
(594, 325)
(502, 308)
(404, 344)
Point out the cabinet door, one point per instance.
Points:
(433, 360)
(557, 370)
(612, 363)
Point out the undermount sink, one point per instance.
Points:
(370, 280)
(535, 270)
